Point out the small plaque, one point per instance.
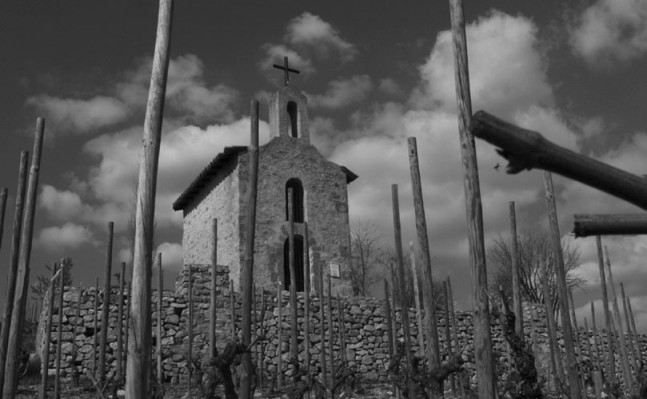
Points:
(334, 270)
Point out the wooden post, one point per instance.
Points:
(562, 289)
(294, 350)
(261, 357)
(597, 381)
(576, 337)
(389, 320)
(48, 335)
(633, 326)
(138, 363)
(416, 293)
(190, 330)
(247, 273)
(213, 351)
(585, 225)
(448, 338)
(120, 321)
(596, 344)
(588, 342)
(306, 297)
(160, 299)
(59, 337)
(232, 310)
(557, 371)
(95, 341)
(13, 269)
(631, 335)
(322, 325)
(105, 311)
(454, 324)
(624, 361)
(516, 287)
(482, 335)
(22, 277)
(331, 339)
(4, 192)
(611, 366)
(77, 317)
(129, 293)
(342, 328)
(403, 305)
(432, 350)
(279, 334)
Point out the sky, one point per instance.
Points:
(375, 72)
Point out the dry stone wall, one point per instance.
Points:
(364, 321)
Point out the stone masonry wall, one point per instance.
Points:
(364, 320)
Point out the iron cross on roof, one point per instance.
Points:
(287, 69)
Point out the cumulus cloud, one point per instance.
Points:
(70, 115)
(342, 93)
(389, 86)
(310, 30)
(68, 236)
(274, 54)
(171, 255)
(610, 30)
(61, 204)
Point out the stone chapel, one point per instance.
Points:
(288, 160)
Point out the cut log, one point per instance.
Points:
(586, 225)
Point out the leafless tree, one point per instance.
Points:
(40, 287)
(367, 257)
(535, 264)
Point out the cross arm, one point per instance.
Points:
(525, 149)
(586, 225)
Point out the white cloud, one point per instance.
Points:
(310, 30)
(342, 92)
(61, 204)
(389, 86)
(274, 54)
(69, 115)
(611, 30)
(68, 236)
(171, 255)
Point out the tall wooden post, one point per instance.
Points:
(105, 311)
(562, 289)
(294, 350)
(389, 320)
(22, 277)
(322, 325)
(624, 361)
(416, 293)
(433, 353)
(75, 349)
(556, 367)
(611, 364)
(576, 336)
(160, 299)
(214, 285)
(398, 251)
(13, 268)
(279, 336)
(587, 341)
(633, 326)
(95, 340)
(48, 335)
(190, 330)
(630, 333)
(59, 336)
(4, 193)
(342, 328)
(306, 297)
(516, 286)
(247, 274)
(261, 356)
(129, 293)
(120, 321)
(331, 338)
(138, 363)
(448, 337)
(232, 310)
(486, 379)
(452, 313)
(596, 343)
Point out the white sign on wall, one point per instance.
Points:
(334, 270)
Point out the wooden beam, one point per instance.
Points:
(526, 149)
(247, 273)
(586, 225)
(139, 348)
(486, 379)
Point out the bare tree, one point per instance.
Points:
(535, 252)
(40, 287)
(367, 257)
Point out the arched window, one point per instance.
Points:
(297, 200)
(298, 263)
(292, 114)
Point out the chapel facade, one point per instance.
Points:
(320, 200)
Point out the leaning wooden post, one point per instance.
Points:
(48, 335)
(120, 321)
(448, 337)
(190, 330)
(59, 336)
(562, 289)
(596, 343)
(403, 304)
(631, 335)
(611, 366)
(3, 206)
(247, 274)
(214, 285)
(482, 335)
(517, 305)
(13, 269)
(294, 350)
(322, 325)
(416, 293)
(95, 340)
(331, 339)
(433, 353)
(556, 364)
(279, 335)
(160, 298)
(105, 310)
(633, 326)
(306, 297)
(126, 337)
(22, 277)
(626, 370)
(139, 359)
